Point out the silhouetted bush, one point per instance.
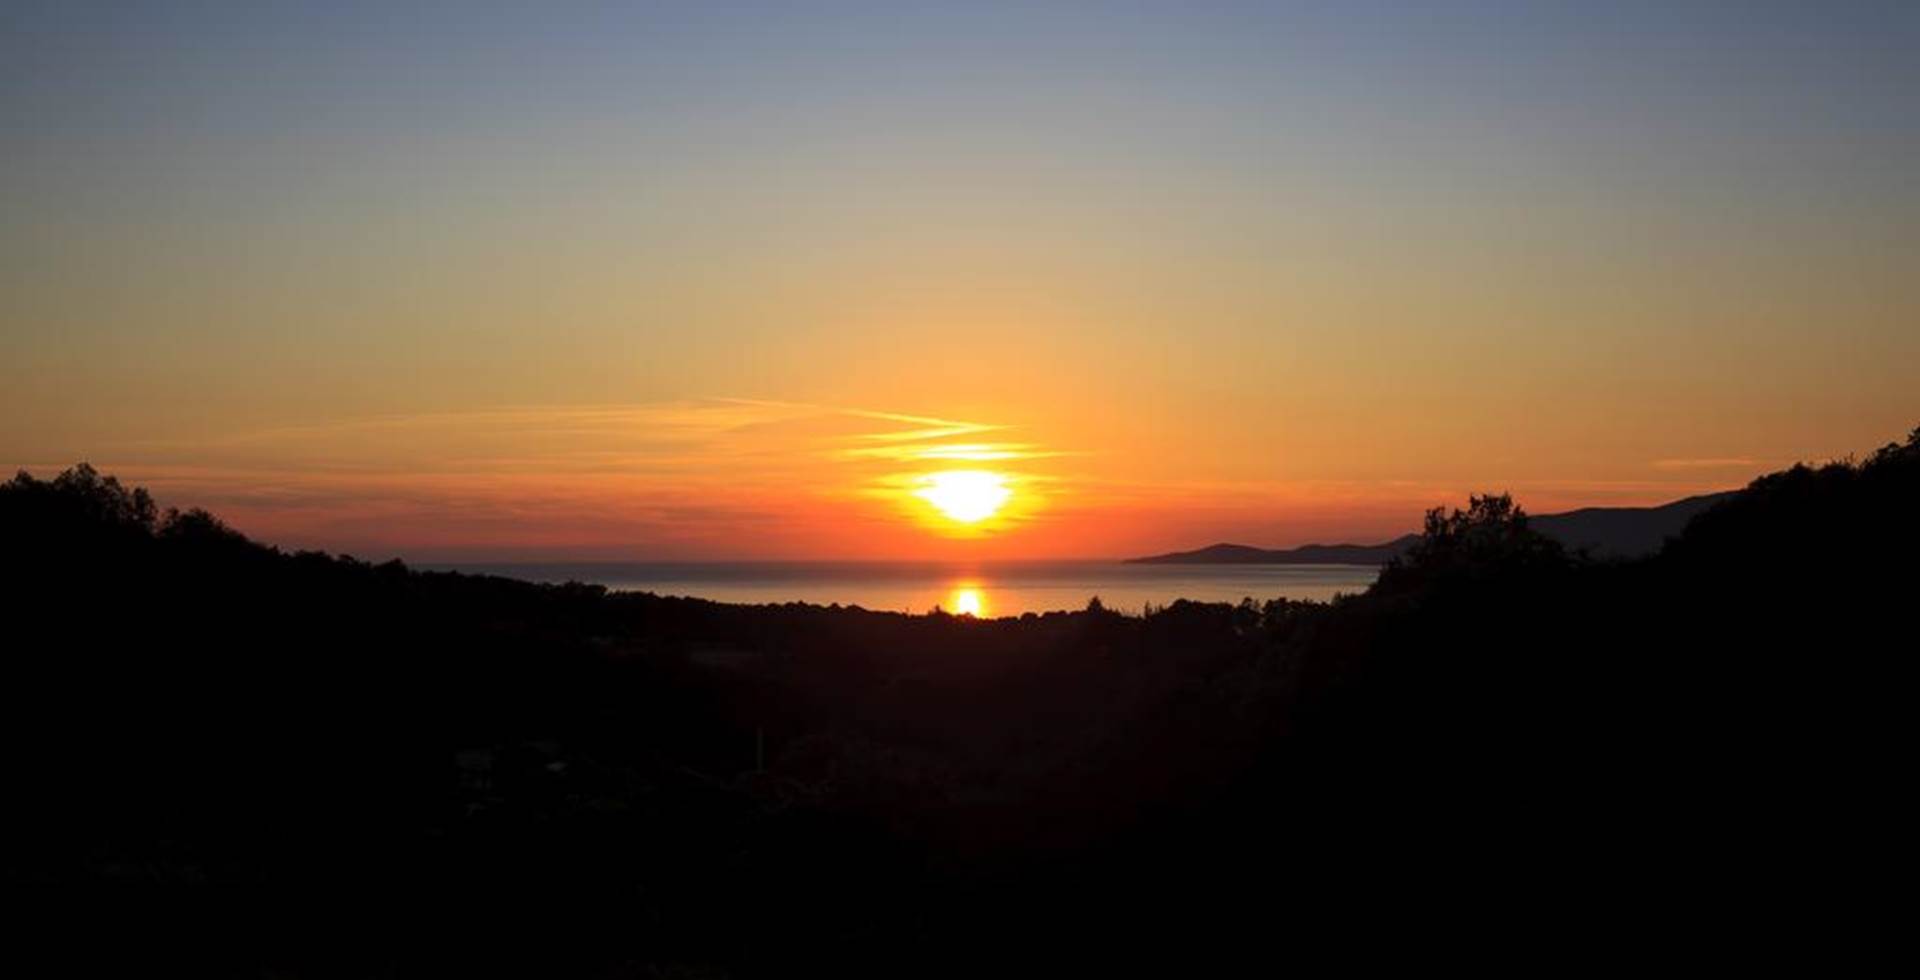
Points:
(1490, 539)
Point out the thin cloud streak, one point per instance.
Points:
(704, 478)
(1707, 463)
(720, 478)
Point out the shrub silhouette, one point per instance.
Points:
(78, 503)
(1490, 539)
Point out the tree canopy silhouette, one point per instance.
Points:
(1489, 539)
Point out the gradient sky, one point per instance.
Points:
(710, 280)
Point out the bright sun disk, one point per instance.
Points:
(967, 496)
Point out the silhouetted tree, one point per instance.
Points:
(1488, 539)
(79, 498)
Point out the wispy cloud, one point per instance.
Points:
(922, 429)
(688, 477)
(975, 452)
(647, 437)
(1707, 463)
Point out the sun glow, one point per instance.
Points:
(969, 601)
(966, 496)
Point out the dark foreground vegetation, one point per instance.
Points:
(361, 769)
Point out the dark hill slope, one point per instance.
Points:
(1624, 532)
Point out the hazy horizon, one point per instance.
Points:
(986, 590)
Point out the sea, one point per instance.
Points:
(985, 590)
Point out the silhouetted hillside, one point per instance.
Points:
(701, 789)
(1624, 532)
(1603, 532)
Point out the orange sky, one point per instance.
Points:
(722, 478)
(717, 281)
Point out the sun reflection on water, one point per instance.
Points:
(968, 600)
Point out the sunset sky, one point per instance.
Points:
(722, 280)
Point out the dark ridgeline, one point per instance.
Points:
(368, 769)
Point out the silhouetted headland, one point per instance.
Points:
(1306, 554)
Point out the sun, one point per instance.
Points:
(967, 600)
(966, 496)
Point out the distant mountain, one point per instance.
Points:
(1604, 532)
(1309, 554)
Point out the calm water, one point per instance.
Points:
(1002, 589)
